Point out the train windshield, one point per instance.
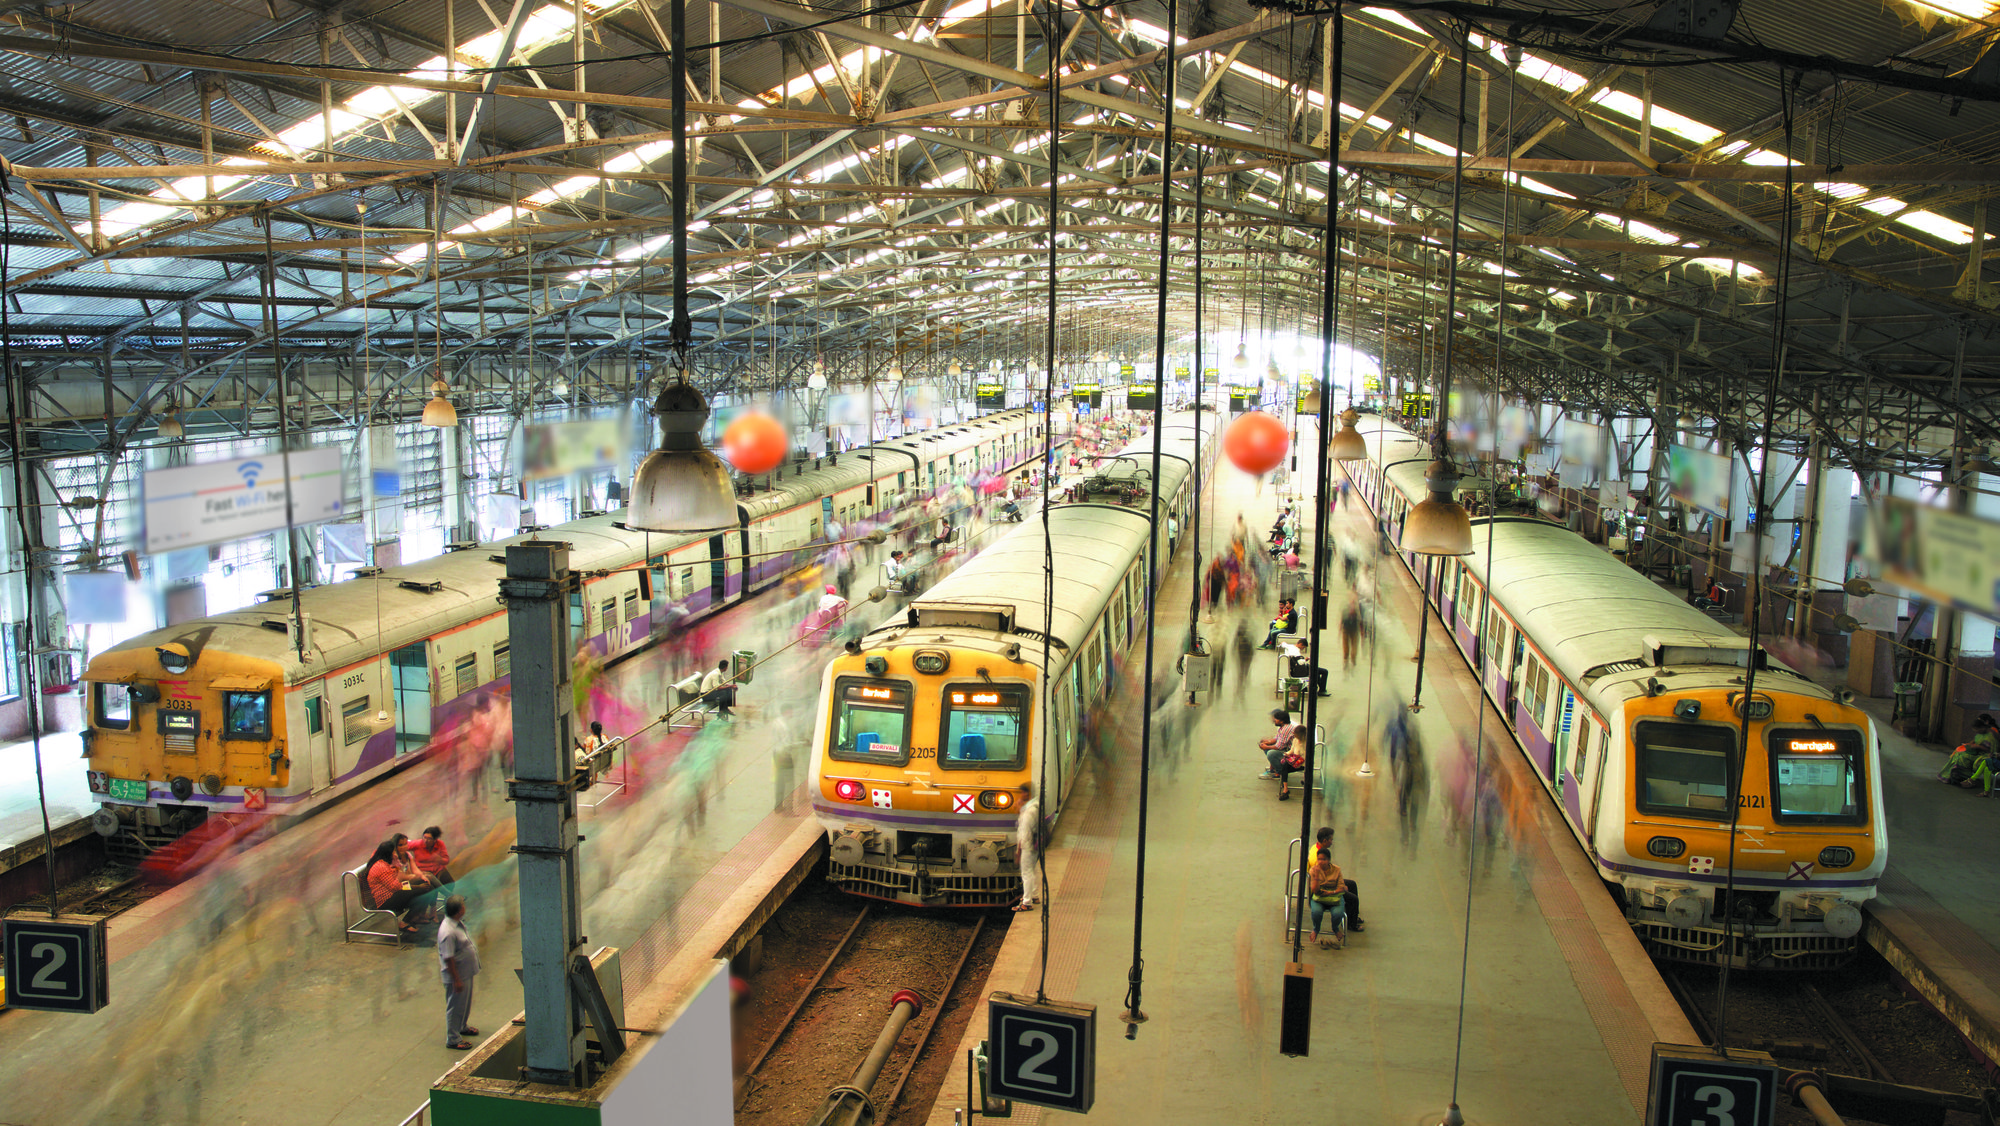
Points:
(1684, 768)
(982, 727)
(1816, 776)
(871, 721)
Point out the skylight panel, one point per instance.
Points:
(1937, 226)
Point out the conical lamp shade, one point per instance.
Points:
(1438, 525)
(170, 426)
(681, 487)
(1347, 444)
(439, 412)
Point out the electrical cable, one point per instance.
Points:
(1135, 975)
(1051, 38)
(1329, 327)
(1754, 586)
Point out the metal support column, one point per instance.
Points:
(535, 591)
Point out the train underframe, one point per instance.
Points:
(1763, 932)
(138, 831)
(926, 870)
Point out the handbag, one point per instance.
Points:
(1294, 760)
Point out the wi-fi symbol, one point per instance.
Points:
(249, 471)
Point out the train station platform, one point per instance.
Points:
(1561, 1006)
(232, 991)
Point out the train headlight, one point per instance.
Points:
(175, 657)
(847, 789)
(931, 662)
(1684, 912)
(996, 799)
(1836, 856)
(1843, 920)
(1666, 847)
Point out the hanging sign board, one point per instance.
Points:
(219, 501)
(551, 449)
(1244, 399)
(1087, 394)
(991, 395)
(1945, 556)
(1693, 1086)
(1180, 373)
(1371, 383)
(1044, 1054)
(1699, 479)
(1127, 371)
(57, 965)
(1140, 397)
(1416, 404)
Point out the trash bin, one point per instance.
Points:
(740, 663)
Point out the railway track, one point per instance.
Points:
(1885, 1056)
(819, 1000)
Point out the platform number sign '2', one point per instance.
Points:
(1042, 1053)
(1696, 1087)
(56, 966)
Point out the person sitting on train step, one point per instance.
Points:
(386, 886)
(1279, 740)
(716, 694)
(432, 857)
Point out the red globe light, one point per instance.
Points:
(755, 442)
(1256, 442)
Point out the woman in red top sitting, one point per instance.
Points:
(386, 885)
(431, 855)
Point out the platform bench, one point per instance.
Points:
(359, 914)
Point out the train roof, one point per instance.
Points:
(863, 464)
(401, 605)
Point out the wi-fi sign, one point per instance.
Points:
(249, 471)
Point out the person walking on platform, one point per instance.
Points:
(1246, 654)
(1030, 837)
(1350, 630)
(458, 965)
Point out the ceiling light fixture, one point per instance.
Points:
(439, 412)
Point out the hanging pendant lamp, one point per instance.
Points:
(439, 412)
(1347, 443)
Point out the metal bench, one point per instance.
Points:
(370, 915)
(592, 780)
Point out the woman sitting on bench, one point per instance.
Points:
(387, 886)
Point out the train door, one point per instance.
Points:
(579, 620)
(660, 595)
(1589, 771)
(718, 570)
(1564, 736)
(319, 739)
(410, 680)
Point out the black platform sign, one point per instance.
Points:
(1087, 394)
(1693, 1086)
(990, 395)
(1140, 397)
(1243, 399)
(1416, 404)
(1044, 1054)
(57, 965)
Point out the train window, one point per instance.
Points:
(982, 727)
(466, 673)
(871, 722)
(578, 612)
(503, 660)
(1683, 769)
(315, 715)
(632, 600)
(645, 590)
(1496, 630)
(607, 614)
(1534, 687)
(113, 706)
(246, 715)
(354, 724)
(1816, 776)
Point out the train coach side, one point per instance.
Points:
(1630, 706)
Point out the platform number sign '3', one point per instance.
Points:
(1042, 1052)
(1695, 1087)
